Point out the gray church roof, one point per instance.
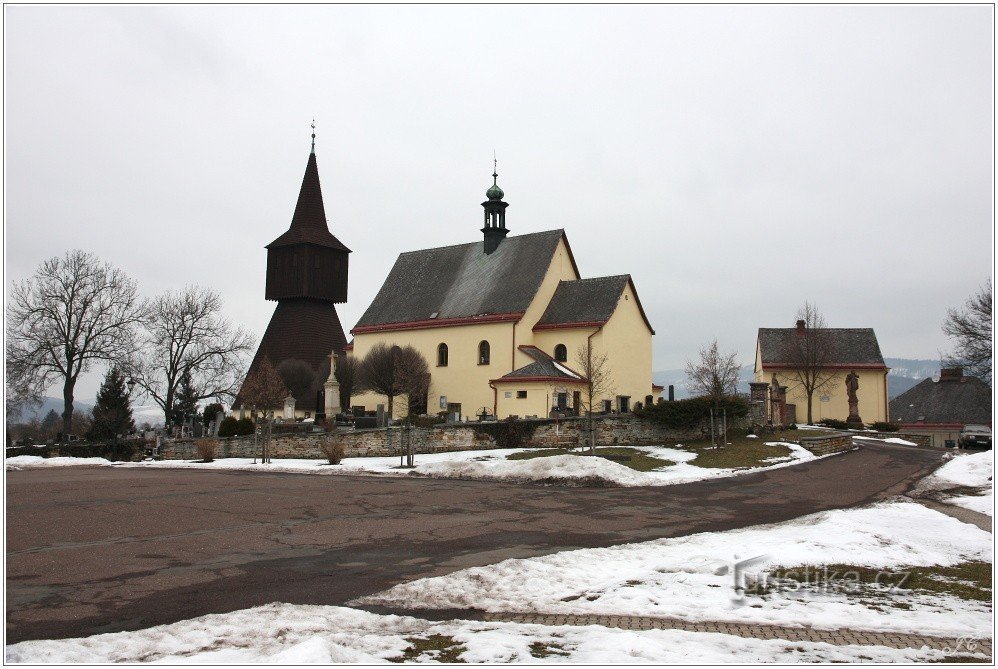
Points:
(849, 346)
(584, 301)
(463, 282)
(543, 367)
(964, 399)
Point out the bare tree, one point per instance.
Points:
(263, 388)
(186, 334)
(346, 376)
(393, 371)
(970, 326)
(299, 377)
(713, 375)
(808, 352)
(595, 369)
(74, 311)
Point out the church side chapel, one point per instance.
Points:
(504, 324)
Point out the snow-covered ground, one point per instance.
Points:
(31, 461)
(693, 577)
(302, 634)
(479, 465)
(975, 470)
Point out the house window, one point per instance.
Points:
(442, 355)
(521, 394)
(483, 353)
(561, 353)
(648, 400)
(607, 406)
(624, 402)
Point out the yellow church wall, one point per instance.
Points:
(463, 380)
(541, 396)
(560, 269)
(628, 343)
(872, 395)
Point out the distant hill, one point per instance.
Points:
(905, 373)
(48, 404)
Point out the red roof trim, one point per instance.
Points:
(569, 326)
(655, 386)
(528, 379)
(773, 365)
(438, 323)
(348, 347)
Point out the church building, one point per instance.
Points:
(307, 271)
(504, 323)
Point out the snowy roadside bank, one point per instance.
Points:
(487, 465)
(692, 577)
(304, 634)
(972, 470)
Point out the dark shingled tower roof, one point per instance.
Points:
(849, 346)
(462, 282)
(308, 225)
(306, 330)
(951, 399)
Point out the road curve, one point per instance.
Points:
(93, 550)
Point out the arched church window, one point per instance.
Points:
(483, 353)
(561, 353)
(442, 355)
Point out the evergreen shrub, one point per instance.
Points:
(691, 412)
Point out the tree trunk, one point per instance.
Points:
(67, 406)
(391, 413)
(810, 397)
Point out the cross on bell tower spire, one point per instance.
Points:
(313, 136)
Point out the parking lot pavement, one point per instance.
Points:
(111, 549)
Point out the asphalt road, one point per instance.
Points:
(93, 550)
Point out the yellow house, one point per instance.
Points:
(847, 350)
(502, 321)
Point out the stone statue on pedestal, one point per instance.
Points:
(852, 385)
(332, 390)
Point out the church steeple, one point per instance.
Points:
(495, 213)
(307, 261)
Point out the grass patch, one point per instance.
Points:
(436, 647)
(967, 580)
(541, 649)
(639, 460)
(741, 451)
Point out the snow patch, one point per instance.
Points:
(692, 578)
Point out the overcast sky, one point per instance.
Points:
(736, 161)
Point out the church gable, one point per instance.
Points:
(587, 303)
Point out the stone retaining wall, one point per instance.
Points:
(835, 442)
(917, 439)
(613, 430)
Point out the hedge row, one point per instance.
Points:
(689, 413)
(120, 451)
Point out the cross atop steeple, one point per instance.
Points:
(313, 136)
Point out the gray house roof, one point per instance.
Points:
(587, 302)
(849, 346)
(544, 367)
(463, 282)
(965, 400)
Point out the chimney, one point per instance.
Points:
(951, 374)
(801, 328)
(672, 393)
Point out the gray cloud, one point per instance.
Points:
(735, 160)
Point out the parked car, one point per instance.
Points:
(975, 436)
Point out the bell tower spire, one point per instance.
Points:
(495, 213)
